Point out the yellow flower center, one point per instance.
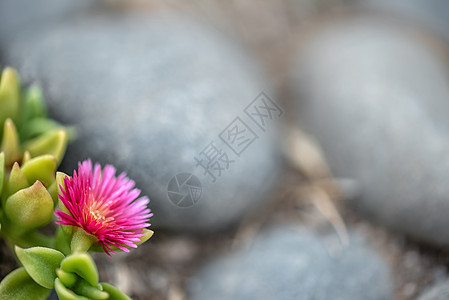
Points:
(97, 214)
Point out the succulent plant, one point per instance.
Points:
(26, 200)
(96, 210)
(32, 146)
(25, 129)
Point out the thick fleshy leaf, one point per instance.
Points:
(26, 157)
(53, 142)
(53, 191)
(67, 229)
(33, 104)
(114, 293)
(83, 265)
(10, 143)
(83, 288)
(60, 182)
(16, 181)
(40, 168)
(37, 127)
(35, 239)
(67, 279)
(18, 285)
(41, 264)
(60, 187)
(147, 235)
(2, 171)
(66, 294)
(9, 95)
(31, 207)
(61, 242)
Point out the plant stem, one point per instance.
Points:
(81, 241)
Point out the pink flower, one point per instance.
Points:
(104, 206)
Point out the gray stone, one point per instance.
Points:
(291, 262)
(148, 94)
(18, 16)
(431, 14)
(438, 291)
(375, 96)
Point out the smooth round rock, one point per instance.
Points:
(291, 262)
(19, 16)
(432, 14)
(160, 97)
(438, 291)
(375, 96)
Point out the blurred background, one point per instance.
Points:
(290, 149)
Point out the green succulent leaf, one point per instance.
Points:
(83, 288)
(9, 95)
(147, 235)
(60, 177)
(37, 126)
(67, 229)
(53, 142)
(66, 294)
(10, 143)
(114, 293)
(18, 285)
(61, 242)
(24, 122)
(26, 157)
(16, 181)
(31, 207)
(41, 264)
(83, 265)
(2, 171)
(53, 191)
(34, 239)
(40, 168)
(33, 104)
(67, 279)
